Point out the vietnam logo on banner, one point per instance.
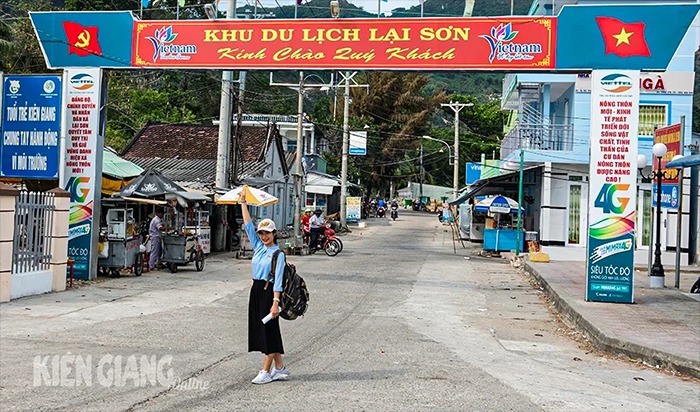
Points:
(82, 40)
(623, 39)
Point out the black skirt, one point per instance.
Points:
(263, 337)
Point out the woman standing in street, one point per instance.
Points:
(265, 297)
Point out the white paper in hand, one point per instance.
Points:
(267, 318)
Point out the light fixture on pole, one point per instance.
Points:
(210, 11)
(449, 148)
(335, 9)
(656, 278)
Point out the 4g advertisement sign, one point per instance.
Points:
(613, 187)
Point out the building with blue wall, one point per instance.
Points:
(550, 123)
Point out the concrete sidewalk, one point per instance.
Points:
(662, 327)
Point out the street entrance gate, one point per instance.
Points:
(613, 42)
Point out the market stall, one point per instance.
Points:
(499, 232)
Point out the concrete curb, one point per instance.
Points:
(609, 344)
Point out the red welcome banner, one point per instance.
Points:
(399, 44)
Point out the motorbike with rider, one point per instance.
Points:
(394, 210)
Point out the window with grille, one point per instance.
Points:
(650, 117)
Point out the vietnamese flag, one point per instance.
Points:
(81, 40)
(623, 39)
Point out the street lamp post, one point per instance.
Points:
(656, 278)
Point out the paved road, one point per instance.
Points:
(397, 322)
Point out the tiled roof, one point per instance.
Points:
(186, 141)
(186, 153)
(179, 170)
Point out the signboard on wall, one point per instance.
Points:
(671, 137)
(82, 168)
(30, 124)
(613, 186)
(678, 83)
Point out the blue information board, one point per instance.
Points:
(31, 124)
(669, 196)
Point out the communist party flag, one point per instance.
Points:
(623, 39)
(81, 40)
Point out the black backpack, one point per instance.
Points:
(295, 295)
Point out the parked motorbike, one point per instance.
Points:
(394, 212)
(328, 241)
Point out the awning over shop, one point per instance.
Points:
(325, 190)
(496, 185)
(116, 172)
(320, 183)
(686, 161)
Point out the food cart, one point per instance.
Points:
(181, 246)
(120, 246)
(197, 221)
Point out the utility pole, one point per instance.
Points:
(456, 107)
(420, 192)
(346, 148)
(299, 173)
(225, 115)
(347, 76)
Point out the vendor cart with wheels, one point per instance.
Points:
(119, 247)
(179, 249)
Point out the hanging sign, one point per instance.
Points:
(358, 143)
(30, 122)
(671, 137)
(613, 185)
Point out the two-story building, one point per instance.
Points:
(549, 122)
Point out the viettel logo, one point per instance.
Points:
(616, 83)
(164, 49)
(82, 81)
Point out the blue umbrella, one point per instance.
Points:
(497, 204)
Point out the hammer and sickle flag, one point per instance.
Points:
(82, 40)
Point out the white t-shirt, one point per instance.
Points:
(316, 221)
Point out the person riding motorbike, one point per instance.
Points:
(394, 210)
(316, 222)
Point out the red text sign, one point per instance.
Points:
(671, 137)
(425, 44)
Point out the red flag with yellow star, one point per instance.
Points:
(81, 40)
(623, 39)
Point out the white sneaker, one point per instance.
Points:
(280, 374)
(263, 377)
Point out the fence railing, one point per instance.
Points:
(31, 249)
(538, 136)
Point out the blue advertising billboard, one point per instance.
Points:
(473, 172)
(30, 124)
